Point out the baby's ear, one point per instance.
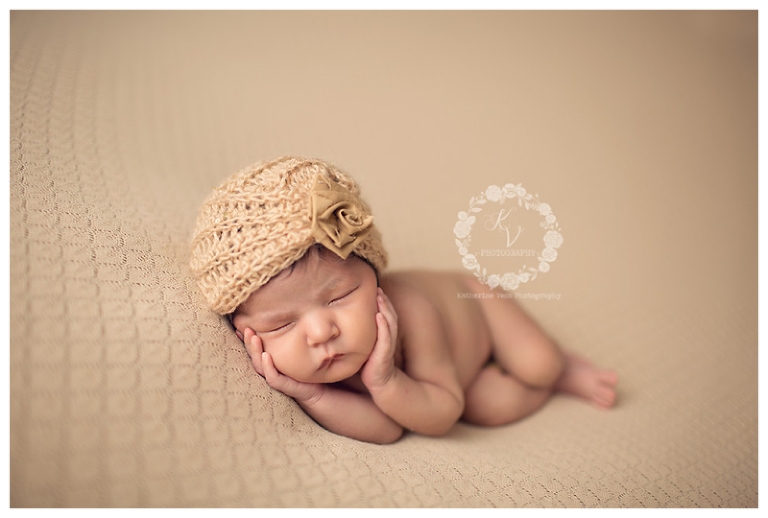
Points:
(231, 320)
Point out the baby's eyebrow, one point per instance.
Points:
(332, 283)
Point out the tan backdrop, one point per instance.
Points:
(638, 128)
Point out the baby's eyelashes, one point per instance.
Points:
(344, 296)
(279, 327)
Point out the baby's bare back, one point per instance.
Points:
(461, 320)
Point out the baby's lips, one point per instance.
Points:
(330, 359)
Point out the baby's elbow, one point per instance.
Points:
(442, 426)
(439, 429)
(389, 436)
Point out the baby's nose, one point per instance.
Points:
(321, 327)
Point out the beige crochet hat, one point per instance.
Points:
(265, 217)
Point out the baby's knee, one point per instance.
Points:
(544, 367)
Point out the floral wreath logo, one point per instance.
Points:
(552, 238)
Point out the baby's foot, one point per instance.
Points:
(584, 380)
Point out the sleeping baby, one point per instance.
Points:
(288, 251)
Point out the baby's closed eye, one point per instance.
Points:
(344, 295)
(278, 327)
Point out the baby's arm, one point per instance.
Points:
(337, 410)
(352, 415)
(428, 398)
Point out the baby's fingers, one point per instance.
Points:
(255, 348)
(388, 312)
(384, 347)
(271, 374)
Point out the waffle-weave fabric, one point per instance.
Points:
(639, 129)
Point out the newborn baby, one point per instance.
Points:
(288, 251)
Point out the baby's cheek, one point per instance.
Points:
(291, 361)
(372, 329)
(268, 346)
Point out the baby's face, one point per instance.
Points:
(317, 319)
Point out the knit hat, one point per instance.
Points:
(265, 217)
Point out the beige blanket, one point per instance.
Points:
(639, 129)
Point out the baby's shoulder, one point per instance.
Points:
(420, 315)
(422, 293)
(408, 290)
(424, 283)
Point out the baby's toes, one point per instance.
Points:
(604, 396)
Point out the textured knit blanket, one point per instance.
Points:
(637, 129)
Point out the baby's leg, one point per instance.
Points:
(519, 344)
(524, 351)
(496, 398)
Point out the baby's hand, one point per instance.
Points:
(381, 364)
(262, 362)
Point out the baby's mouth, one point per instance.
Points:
(328, 361)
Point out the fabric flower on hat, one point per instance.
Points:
(339, 222)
